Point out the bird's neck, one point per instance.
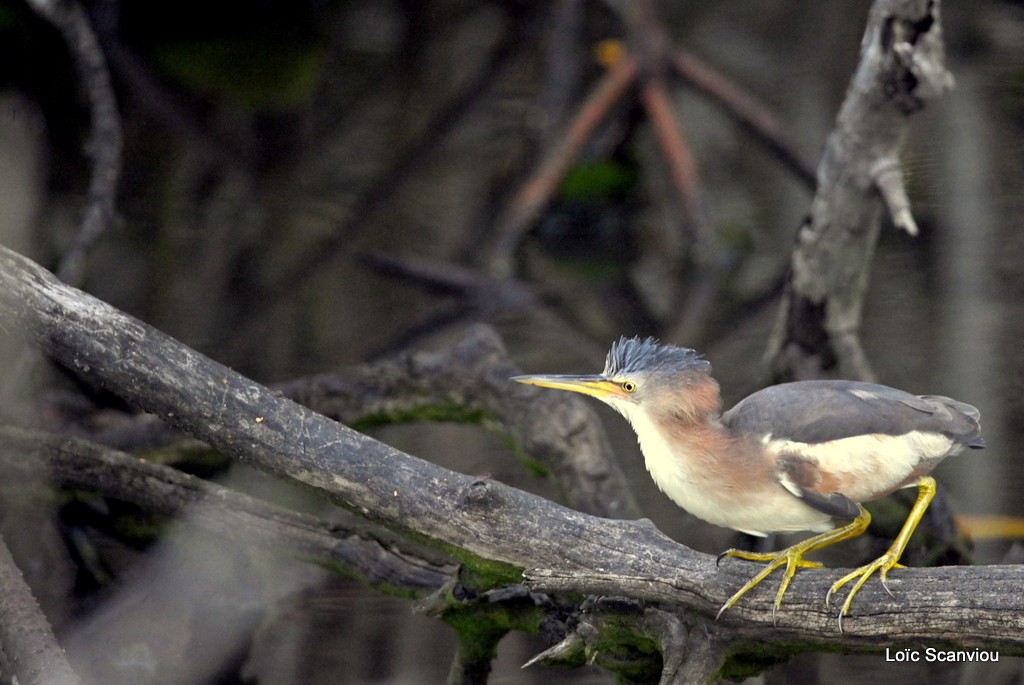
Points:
(699, 405)
(684, 456)
(677, 420)
(686, 448)
(688, 436)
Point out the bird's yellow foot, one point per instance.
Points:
(882, 565)
(792, 557)
(889, 560)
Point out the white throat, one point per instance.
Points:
(673, 469)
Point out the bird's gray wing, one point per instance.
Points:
(820, 411)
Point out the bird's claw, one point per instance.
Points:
(885, 586)
(792, 557)
(882, 565)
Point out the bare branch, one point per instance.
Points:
(901, 66)
(682, 167)
(470, 382)
(926, 607)
(105, 139)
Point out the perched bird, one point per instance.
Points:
(788, 458)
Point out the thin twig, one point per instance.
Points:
(105, 140)
(674, 147)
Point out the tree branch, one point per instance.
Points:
(105, 137)
(495, 530)
(470, 382)
(859, 182)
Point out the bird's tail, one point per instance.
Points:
(971, 437)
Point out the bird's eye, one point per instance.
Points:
(629, 386)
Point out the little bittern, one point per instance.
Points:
(788, 458)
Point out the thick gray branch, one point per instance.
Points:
(467, 382)
(470, 381)
(476, 519)
(859, 183)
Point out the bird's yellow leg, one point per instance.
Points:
(793, 557)
(889, 560)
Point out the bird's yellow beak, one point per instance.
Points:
(595, 385)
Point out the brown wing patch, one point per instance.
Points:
(805, 480)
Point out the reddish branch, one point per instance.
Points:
(536, 192)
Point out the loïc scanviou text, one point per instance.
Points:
(933, 654)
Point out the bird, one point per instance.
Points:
(791, 457)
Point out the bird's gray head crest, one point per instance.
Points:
(632, 355)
